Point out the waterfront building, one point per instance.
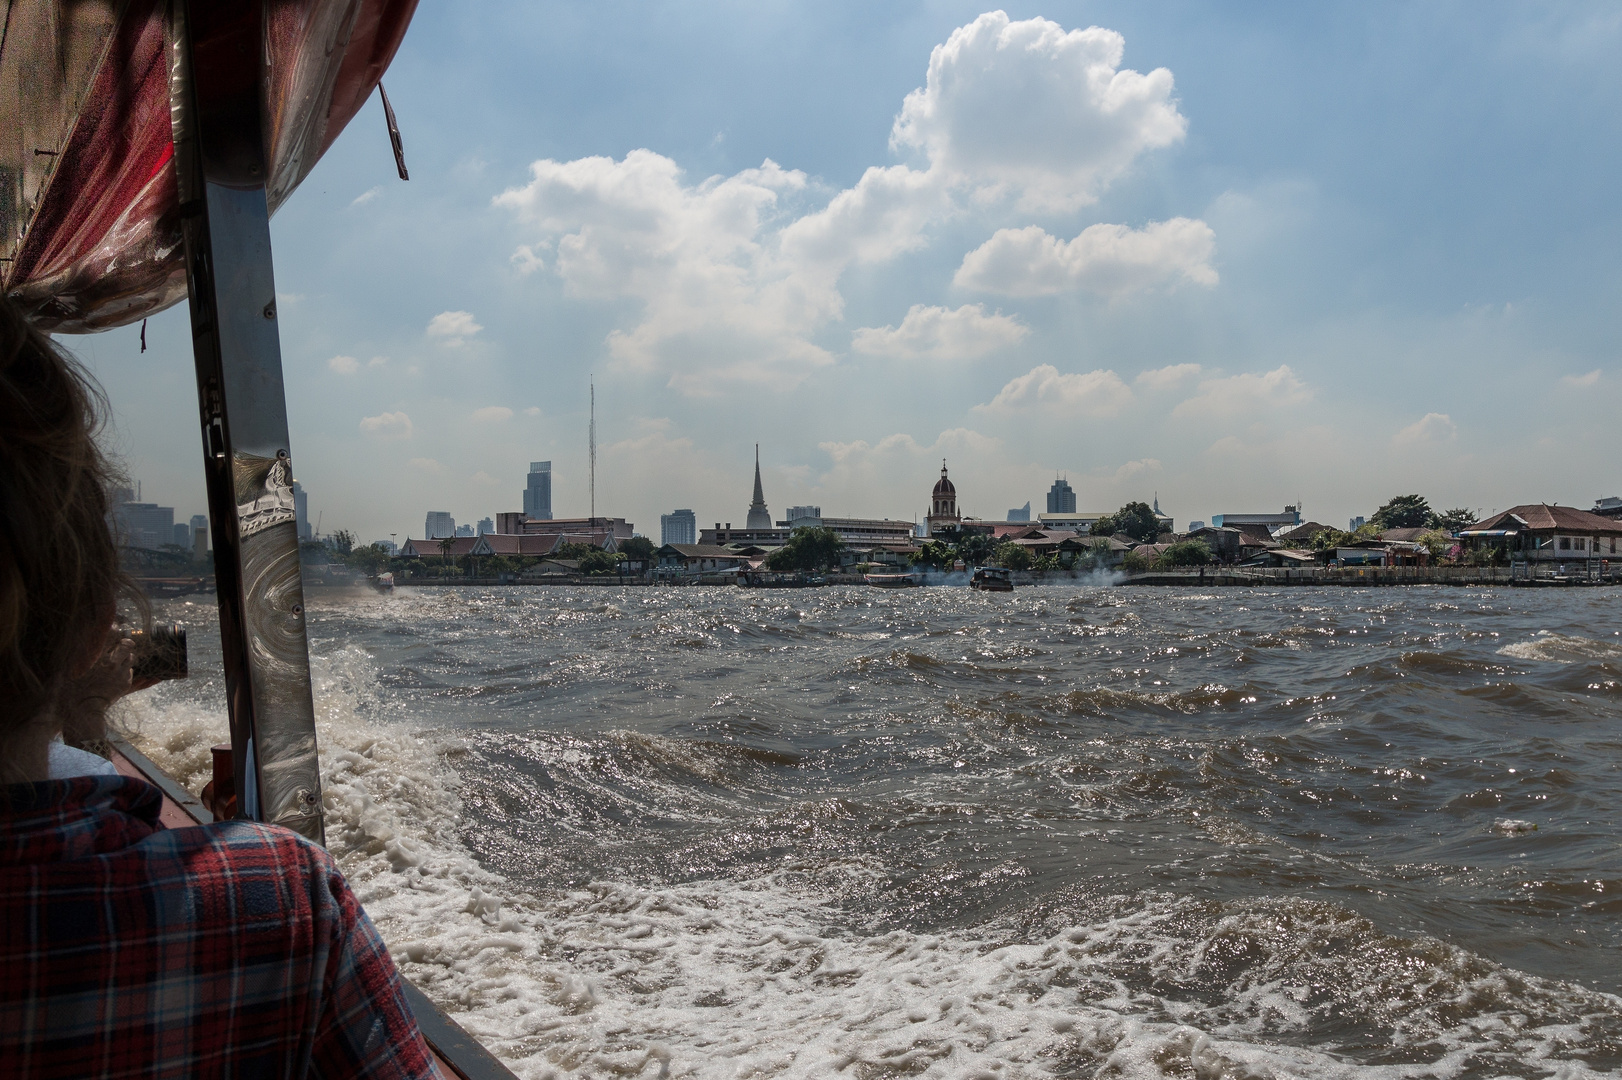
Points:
(943, 515)
(611, 526)
(759, 516)
(1542, 533)
(726, 534)
(538, 491)
(485, 526)
(301, 510)
(1024, 512)
(681, 559)
(678, 527)
(1061, 498)
(438, 523)
(1610, 507)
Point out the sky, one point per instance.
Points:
(1230, 256)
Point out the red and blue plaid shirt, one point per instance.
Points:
(226, 950)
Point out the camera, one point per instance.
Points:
(160, 653)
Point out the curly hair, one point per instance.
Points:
(60, 578)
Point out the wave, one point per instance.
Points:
(1555, 648)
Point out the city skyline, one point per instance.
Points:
(1305, 254)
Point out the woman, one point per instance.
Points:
(233, 949)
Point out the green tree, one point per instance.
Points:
(573, 550)
(935, 553)
(370, 559)
(1135, 519)
(1013, 556)
(1134, 562)
(1454, 520)
(975, 548)
(808, 548)
(597, 561)
(343, 541)
(1186, 553)
(446, 543)
(1404, 512)
(638, 548)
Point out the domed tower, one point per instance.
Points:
(943, 515)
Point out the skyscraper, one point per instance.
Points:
(487, 526)
(301, 510)
(1023, 513)
(538, 492)
(1061, 499)
(678, 527)
(759, 516)
(439, 523)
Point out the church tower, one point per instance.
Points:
(759, 516)
(943, 515)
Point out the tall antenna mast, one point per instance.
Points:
(591, 436)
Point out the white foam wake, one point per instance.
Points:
(765, 978)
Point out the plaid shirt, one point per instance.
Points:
(229, 950)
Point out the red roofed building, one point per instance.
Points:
(1543, 533)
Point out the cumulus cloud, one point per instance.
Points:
(1246, 394)
(1028, 109)
(427, 465)
(939, 333)
(483, 478)
(533, 410)
(344, 365)
(1167, 378)
(1427, 430)
(453, 327)
(492, 414)
(1590, 379)
(1111, 260)
(734, 280)
(389, 425)
(1091, 393)
(367, 196)
(1140, 467)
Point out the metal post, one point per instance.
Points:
(217, 69)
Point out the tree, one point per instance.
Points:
(638, 548)
(343, 541)
(446, 543)
(1454, 520)
(975, 548)
(935, 553)
(1135, 519)
(370, 559)
(1186, 553)
(1134, 562)
(1013, 556)
(809, 547)
(1403, 512)
(596, 561)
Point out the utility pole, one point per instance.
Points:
(591, 436)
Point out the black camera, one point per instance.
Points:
(159, 654)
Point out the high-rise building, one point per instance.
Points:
(301, 510)
(678, 527)
(1061, 499)
(538, 491)
(439, 523)
(1354, 524)
(1023, 513)
(144, 525)
(486, 526)
(803, 515)
(759, 516)
(182, 537)
(199, 536)
(465, 530)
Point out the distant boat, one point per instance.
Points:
(893, 581)
(384, 582)
(992, 579)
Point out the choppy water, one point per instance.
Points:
(1063, 832)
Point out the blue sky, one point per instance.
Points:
(1238, 255)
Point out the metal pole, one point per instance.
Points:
(217, 69)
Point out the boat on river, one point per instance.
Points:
(893, 581)
(992, 579)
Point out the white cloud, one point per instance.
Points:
(1112, 260)
(533, 410)
(378, 362)
(453, 327)
(389, 425)
(1140, 467)
(1092, 393)
(1167, 378)
(483, 478)
(1428, 429)
(427, 465)
(367, 196)
(492, 414)
(734, 283)
(344, 365)
(1029, 109)
(1591, 379)
(1241, 395)
(939, 333)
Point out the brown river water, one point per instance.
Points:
(1068, 831)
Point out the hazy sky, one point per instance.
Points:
(1238, 254)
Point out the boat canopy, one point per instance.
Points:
(90, 221)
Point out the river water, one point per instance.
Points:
(1067, 831)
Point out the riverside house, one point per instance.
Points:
(1547, 537)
